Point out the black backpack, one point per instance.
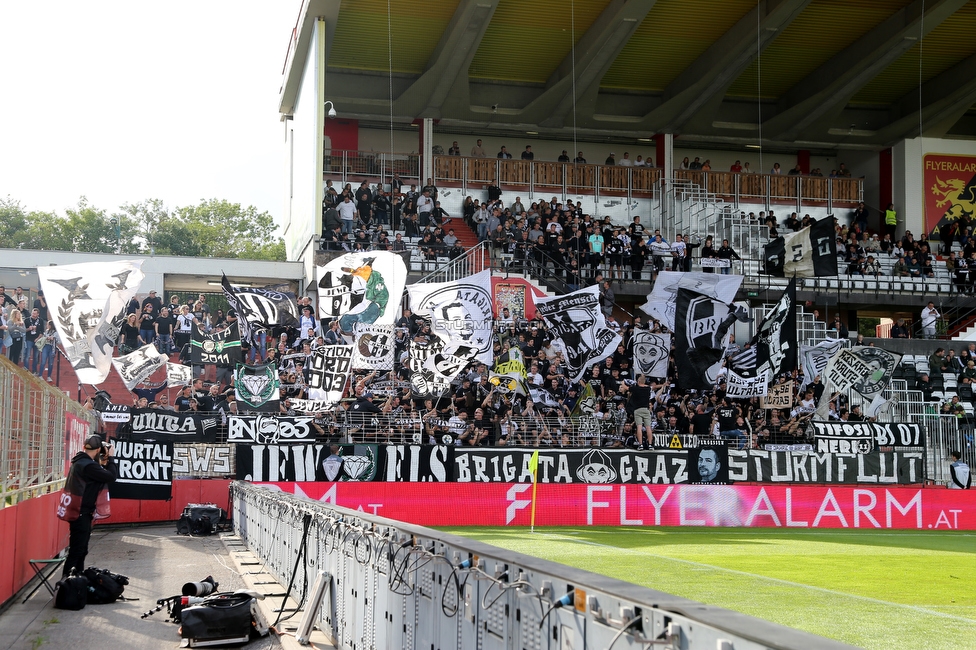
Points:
(72, 592)
(104, 586)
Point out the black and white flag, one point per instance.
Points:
(808, 253)
(260, 309)
(775, 340)
(221, 347)
(652, 352)
(137, 366)
(270, 429)
(328, 372)
(159, 425)
(423, 380)
(87, 304)
(145, 471)
(178, 375)
(375, 347)
(460, 313)
(256, 388)
(662, 301)
(814, 358)
(577, 322)
(701, 333)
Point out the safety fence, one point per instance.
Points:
(40, 429)
(371, 582)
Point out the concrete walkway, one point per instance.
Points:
(157, 562)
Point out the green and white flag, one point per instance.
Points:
(256, 388)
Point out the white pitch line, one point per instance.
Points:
(914, 608)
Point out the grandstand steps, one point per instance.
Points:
(966, 331)
(67, 381)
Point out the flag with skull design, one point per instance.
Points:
(577, 323)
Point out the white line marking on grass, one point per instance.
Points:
(704, 565)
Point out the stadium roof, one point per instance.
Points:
(800, 74)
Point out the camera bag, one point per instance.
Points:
(72, 592)
(104, 586)
(200, 519)
(224, 618)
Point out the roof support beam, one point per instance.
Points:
(595, 53)
(722, 63)
(449, 63)
(941, 105)
(830, 87)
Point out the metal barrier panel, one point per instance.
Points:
(33, 417)
(396, 585)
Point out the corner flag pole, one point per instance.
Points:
(534, 468)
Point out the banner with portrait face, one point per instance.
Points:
(652, 352)
(461, 314)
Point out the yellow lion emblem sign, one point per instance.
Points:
(950, 191)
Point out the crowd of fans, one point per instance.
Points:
(27, 337)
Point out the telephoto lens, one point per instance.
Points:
(203, 588)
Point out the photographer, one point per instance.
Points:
(91, 470)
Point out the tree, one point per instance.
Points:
(225, 229)
(13, 223)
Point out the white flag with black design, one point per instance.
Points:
(178, 375)
(87, 304)
(578, 323)
(421, 359)
(662, 301)
(137, 366)
(652, 352)
(702, 330)
(460, 313)
(328, 372)
(814, 358)
(375, 347)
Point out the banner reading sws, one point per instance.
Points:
(949, 187)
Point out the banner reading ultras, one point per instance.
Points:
(770, 506)
(949, 188)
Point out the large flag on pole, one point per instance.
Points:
(701, 335)
(362, 288)
(576, 321)
(662, 300)
(808, 253)
(260, 309)
(87, 304)
(461, 314)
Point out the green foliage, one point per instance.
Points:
(213, 228)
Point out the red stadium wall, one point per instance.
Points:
(29, 530)
(509, 504)
(128, 511)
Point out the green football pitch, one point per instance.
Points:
(875, 589)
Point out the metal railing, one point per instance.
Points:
(34, 423)
(391, 584)
(564, 178)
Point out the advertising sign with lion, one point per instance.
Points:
(949, 190)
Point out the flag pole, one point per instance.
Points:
(534, 468)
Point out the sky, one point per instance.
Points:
(126, 101)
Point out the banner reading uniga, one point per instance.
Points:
(949, 189)
(769, 506)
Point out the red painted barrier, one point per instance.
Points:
(128, 511)
(29, 530)
(504, 504)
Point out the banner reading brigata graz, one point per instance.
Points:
(445, 463)
(772, 506)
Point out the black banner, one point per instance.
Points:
(223, 347)
(159, 425)
(145, 471)
(270, 429)
(571, 466)
(891, 467)
(315, 462)
(418, 463)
